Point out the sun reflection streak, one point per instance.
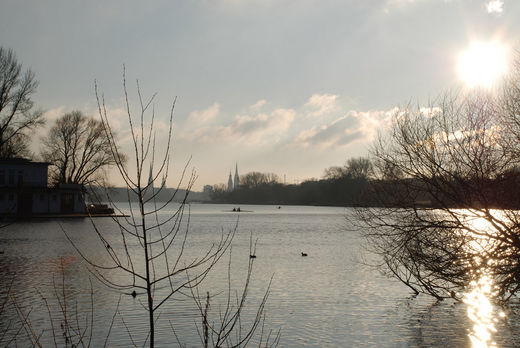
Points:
(482, 290)
(481, 312)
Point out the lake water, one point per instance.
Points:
(329, 298)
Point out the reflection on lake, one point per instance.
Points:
(327, 299)
(482, 312)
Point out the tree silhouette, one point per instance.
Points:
(17, 114)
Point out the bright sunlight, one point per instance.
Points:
(483, 63)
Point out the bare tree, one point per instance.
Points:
(17, 114)
(354, 168)
(509, 103)
(334, 172)
(256, 179)
(78, 149)
(449, 216)
(358, 168)
(152, 247)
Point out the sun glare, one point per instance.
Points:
(482, 64)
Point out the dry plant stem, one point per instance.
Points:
(73, 330)
(5, 304)
(51, 319)
(112, 321)
(26, 324)
(228, 330)
(128, 331)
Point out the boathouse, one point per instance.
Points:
(24, 190)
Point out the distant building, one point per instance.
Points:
(237, 178)
(24, 190)
(233, 184)
(207, 189)
(230, 183)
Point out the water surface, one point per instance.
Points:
(326, 299)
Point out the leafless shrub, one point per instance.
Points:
(450, 215)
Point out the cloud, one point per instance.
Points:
(321, 104)
(402, 2)
(248, 129)
(353, 127)
(495, 6)
(333, 135)
(204, 116)
(278, 127)
(117, 116)
(338, 133)
(276, 122)
(118, 121)
(399, 3)
(492, 6)
(55, 113)
(259, 104)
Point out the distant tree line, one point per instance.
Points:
(364, 182)
(346, 185)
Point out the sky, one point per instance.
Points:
(289, 87)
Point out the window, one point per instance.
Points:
(11, 196)
(42, 197)
(20, 177)
(1, 196)
(2, 177)
(11, 177)
(54, 197)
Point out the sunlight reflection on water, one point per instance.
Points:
(482, 312)
(480, 308)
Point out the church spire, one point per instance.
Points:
(230, 182)
(237, 179)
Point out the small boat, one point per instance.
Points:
(237, 210)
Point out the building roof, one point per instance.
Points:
(23, 161)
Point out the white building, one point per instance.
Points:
(24, 190)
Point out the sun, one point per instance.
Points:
(483, 63)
